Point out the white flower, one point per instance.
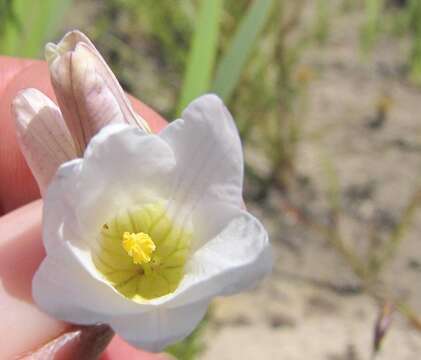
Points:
(144, 230)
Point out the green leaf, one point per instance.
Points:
(30, 26)
(230, 67)
(193, 345)
(202, 53)
(372, 25)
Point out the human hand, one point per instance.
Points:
(24, 328)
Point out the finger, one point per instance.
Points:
(20, 255)
(9, 67)
(119, 349)
(17, 185)
(155, 121)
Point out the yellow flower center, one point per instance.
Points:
(136, 266)
(139, 246)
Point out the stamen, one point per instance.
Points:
(139, 246)
(136, 266)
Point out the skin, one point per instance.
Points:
(24, 329)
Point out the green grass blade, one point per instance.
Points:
(230, 67)
(371, 27)
(321, 30)
(31, 26)
(202, 54)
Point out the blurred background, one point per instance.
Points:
(327, 98)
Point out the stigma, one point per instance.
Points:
(139, 246)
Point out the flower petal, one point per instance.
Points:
(156, 329)
(87, 91)
(64, 286)
(209, 161)
(234, 260)
(64, 289)
(122, 167)
(86, 193)
(80, 199)
(43, 137)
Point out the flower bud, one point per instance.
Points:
(43, 137)
(87, 91)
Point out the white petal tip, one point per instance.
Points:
(206, 99)
(67, 43)
(204, 104)
(211, 97)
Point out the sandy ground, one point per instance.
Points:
(294, 321)
(300, 312)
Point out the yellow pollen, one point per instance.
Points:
(139, 246)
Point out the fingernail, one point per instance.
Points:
(83, 343)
